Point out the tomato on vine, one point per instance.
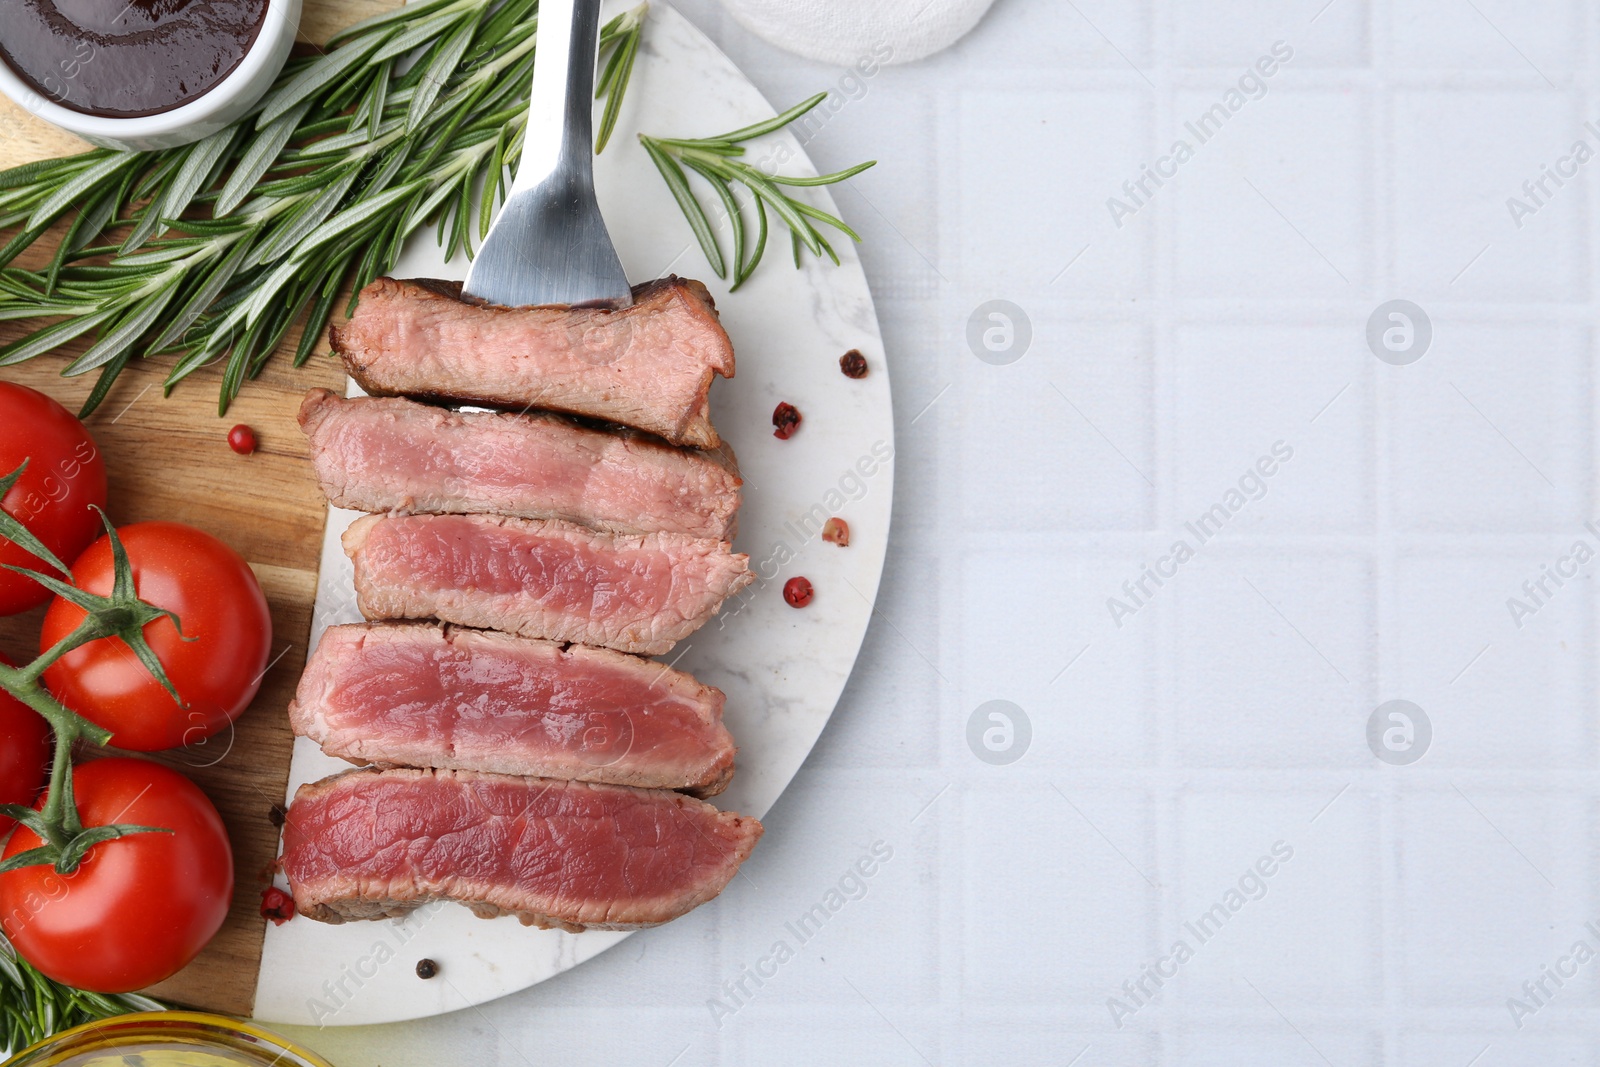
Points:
(215, 665)
(138, 907)
(57, 481)
(24, 753)
(121, 872)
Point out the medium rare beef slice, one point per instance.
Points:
(574, 855)
(420, 695)
(632, 592)
(648, 366)
(394, 455)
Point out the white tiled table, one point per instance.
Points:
(1228, 712)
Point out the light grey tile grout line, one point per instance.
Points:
(1389, 902)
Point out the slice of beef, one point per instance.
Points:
(416, 695)
(393, 455)
(574, 855)
(542, 578)
(648, 366)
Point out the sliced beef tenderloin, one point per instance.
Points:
(419, 695)
(534, 578)
(648, 366)
(394, 455)
(573, 855)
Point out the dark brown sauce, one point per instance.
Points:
(126, 58)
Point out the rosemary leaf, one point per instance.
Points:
(356, 215)
(409, 11)
(678, 184)
(127, 332)
(203, 295)
(316, 322)
(772, 125)
(377, 99)
(445, 60)
(103, 383)
(716, 160)
(263, 150)
(426, 31)
(69, 192)
(621, 35)
(51, 336)
(730, 208)
(743, 275)
(199, 162)
(305, 84)
(21, 243)
(296, 227)
(822, 179)
(28, 173)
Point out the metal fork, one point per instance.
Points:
(549, 244)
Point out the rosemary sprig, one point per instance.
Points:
(320, 187)
(716, 160)
(34, 1007)
(621, 36)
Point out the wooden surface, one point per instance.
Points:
(168, 458)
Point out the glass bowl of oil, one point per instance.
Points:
(167, 1039)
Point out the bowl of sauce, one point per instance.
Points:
(143, 74)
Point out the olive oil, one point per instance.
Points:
(167, 1039)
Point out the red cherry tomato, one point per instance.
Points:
(25, 743)
(65, 475)
(138, 908)
(217, 673)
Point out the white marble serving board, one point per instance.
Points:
(783, 669)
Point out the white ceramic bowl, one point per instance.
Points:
(227, 100)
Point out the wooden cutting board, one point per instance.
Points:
(168, 458)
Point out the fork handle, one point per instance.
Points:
(560, 133)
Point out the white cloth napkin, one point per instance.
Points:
(848, 32)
